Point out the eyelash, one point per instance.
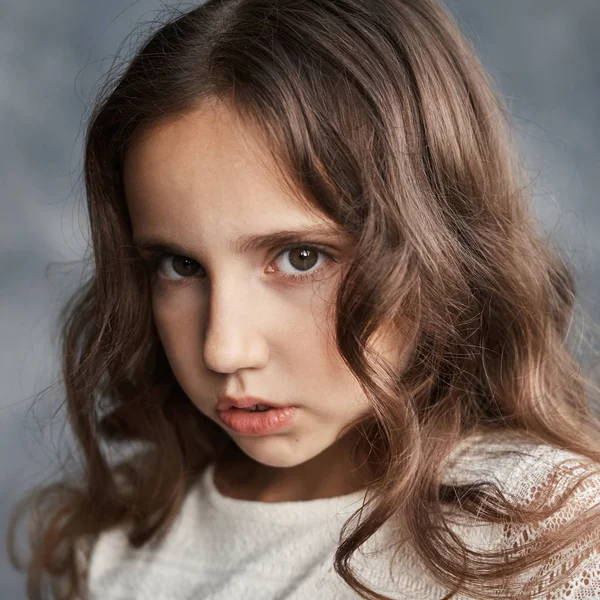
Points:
(154, 260)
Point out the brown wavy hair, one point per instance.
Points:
(381, 114)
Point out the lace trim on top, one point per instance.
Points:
(584, 581)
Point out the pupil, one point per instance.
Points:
(305, 263)
(184, 266)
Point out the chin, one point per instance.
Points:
(277, 451)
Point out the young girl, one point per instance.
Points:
(313, 205)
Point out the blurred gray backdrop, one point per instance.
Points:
(543, 54)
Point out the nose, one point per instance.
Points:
(234, 337)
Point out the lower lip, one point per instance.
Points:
(257, 423)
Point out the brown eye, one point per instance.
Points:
(306, 262)
(175, 267)
(303, 258)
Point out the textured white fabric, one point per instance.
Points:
(531, 478)
(222, 548)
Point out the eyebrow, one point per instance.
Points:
(245, 243)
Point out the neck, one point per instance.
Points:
(327, 475)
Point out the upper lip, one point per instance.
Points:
(226, 402)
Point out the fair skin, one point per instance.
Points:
(232, 323)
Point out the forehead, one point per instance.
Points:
(209, 136)
(208, 162)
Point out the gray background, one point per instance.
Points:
(543, 54)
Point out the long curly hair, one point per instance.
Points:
(381, 114)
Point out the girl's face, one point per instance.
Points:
(254, 321)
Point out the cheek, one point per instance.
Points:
(390, 345)
(178, 324)
(329, 376)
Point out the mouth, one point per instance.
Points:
(247, 403)
(257, 420)
(255, 408)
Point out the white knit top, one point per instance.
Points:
(221, 548)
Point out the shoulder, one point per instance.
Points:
(522, 467)
(527, 472)
(96, 553)
(532, 473)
